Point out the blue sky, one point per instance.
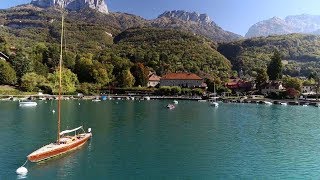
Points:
(232, 15)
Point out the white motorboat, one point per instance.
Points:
(175, 102)
(28, 103)
(283, 103)
(170, 106)
(267, 103)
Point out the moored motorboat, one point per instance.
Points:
(283, 103)
(267, 103)
(170, 106)
(175, 102)
(28, 103)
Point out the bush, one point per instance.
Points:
(88, 88)
(7, 74)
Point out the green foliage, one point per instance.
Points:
(32, 82)
(292, 82)
(140, 73)
(262, 77)
(100, 74)
(164, 90)
(167, 50)
(175, 90)
(83, 67)
(68, 78)
(21, 64)
(309, 82)
(126, 80)
(275, 67)
(88, 88)
(197, 91)
(7, 74)
(301, 52)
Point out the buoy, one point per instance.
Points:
(79, 104)
(22, 171)
(53, 111)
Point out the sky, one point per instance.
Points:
(232, 15)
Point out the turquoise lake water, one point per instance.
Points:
(144, 140)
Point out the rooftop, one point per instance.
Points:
(181, 76)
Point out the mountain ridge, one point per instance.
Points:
(194, 22)
(73, 5)
(304, 24)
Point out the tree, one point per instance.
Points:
(32, 82)
(38, 56)
(7, 74)
(127, 79)
(51, 56)
(292, 82)
(275, 67)
(261, 78)
(83, 67)
(21, 64)
(69, 81)
(100, 74)
(141, 74)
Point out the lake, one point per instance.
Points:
(145, 140)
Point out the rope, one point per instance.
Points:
(25, 163)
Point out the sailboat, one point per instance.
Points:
(213, 101)
(67, 140)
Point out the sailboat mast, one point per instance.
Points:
(60, 81)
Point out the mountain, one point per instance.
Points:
(26, 25)
(193, 22)
(305, 24)
(73, 5)
(300, 51)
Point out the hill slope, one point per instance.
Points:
(170, 50)
(302, 52)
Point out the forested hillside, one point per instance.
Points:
(302, 53)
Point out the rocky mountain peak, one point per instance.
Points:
(73, 5)
(306, 24)
(188, 16)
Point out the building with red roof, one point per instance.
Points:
(154, 80)
(182, 79)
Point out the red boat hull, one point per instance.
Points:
(58, 151)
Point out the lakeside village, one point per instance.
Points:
(185, 85)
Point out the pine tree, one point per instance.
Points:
(275, 67)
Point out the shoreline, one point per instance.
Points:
(299, 102)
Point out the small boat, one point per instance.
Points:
(175, 102)
(214, 104)
(170, 106)
(317, 105)
(147, 98)
(63, 145)
(28, 103)
(202, 100)
(283, 103)
(96, 100)
(267, 103)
